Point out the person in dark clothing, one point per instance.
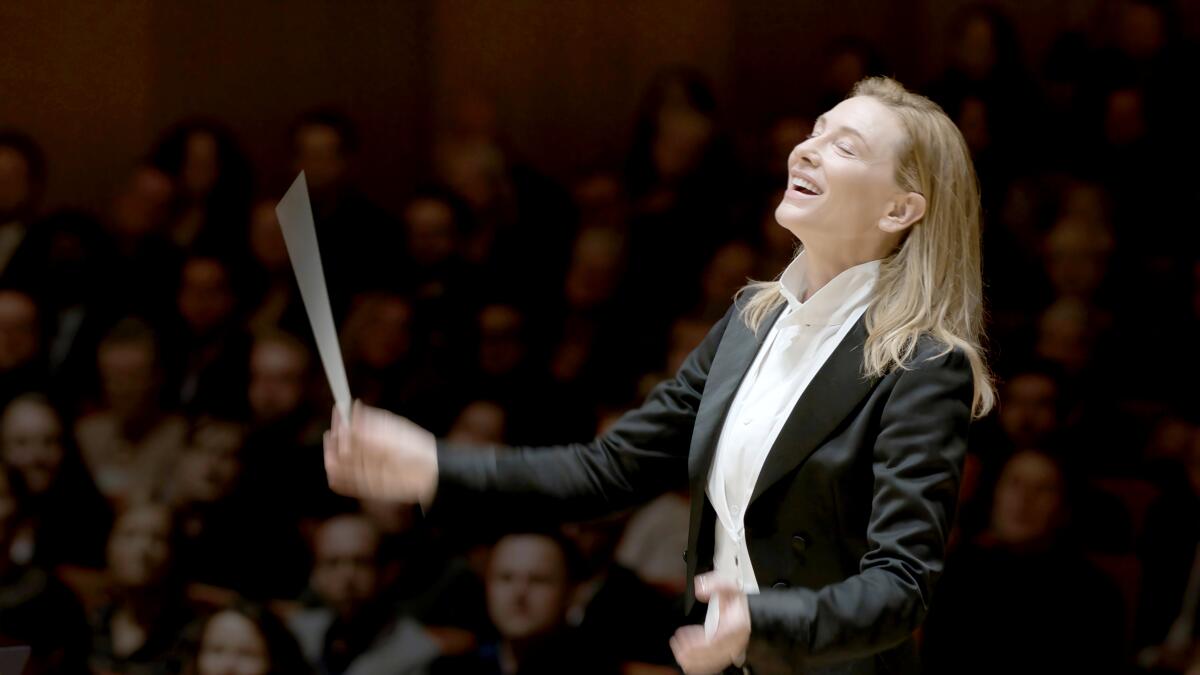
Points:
(35, 608)
(1020, 598)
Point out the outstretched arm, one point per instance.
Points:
(385, 456)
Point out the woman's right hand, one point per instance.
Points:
(379, 455)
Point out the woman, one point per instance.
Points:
(246, 639)
(821, 424)
(66, 520)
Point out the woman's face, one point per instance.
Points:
(31, 437)
(232, 645)
(139, 548)
(1028, 505)
(841, 180)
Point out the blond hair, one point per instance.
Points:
(932, 283)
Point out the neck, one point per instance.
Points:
(823, 266)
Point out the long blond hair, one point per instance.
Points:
(931, 284)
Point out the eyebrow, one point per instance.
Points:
(847, 129)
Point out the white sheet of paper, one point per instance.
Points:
(300, 235)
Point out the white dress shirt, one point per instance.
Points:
(796, 347)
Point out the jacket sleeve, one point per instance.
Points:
(642, 455)
(916, 462)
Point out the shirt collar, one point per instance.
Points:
(834, 301)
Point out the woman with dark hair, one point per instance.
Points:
(246, 639)
(138, 631)
(1021, 598)
(65, 520)
(213, 184)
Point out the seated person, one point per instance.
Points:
(1021, 598)
(35, 609)
(357, 631)
(528, 594)
(246, 639)
(139, 632)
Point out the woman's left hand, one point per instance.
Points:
(697, 653)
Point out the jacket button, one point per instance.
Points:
(685, 555)
(799, 543)
(779, 584)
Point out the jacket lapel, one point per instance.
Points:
(834, 391)
(728, 369)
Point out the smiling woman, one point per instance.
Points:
(821, 424)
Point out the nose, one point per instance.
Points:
(807, 154)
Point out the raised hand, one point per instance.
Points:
(380, 455)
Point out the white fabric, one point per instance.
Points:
(796, 347)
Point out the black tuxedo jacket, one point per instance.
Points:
(848, 521)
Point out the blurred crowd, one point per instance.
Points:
(163, 505)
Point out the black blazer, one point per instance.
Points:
(846, 526)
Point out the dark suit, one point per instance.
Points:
(848, 521)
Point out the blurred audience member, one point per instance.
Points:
(273, 301)
(139, 265)
(356, 631)
(212, 185)
(207, 350)
(22, 182)
(246, 639)
(35, 608)
(64, 518)
(479, 423)
(139, 631)
(528, 586)
(130, 443)
(358, 239)
(1021, 598)
(21, 352)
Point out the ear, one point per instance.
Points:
(906, 209)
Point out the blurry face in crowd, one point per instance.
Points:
(977, 48)
(973, 122)
(527, 587)
(728, 271)
(1142, 30)
(1125, 117)
(683, 135)
(129, 376)
(431, 233)
(385, 338)
(18, 329)
(319, 154)
(1064, 335)
(200, 165)
(1029, 410)
(346, 567)
(14, 181)
(500, 346)
(208, 469)
(1028, 506)
(481, 422)
(842, 181)
(139, 547)
(266, 238)
(277, 378)
(205, 297)
(141, 207)
(232, 645)
(1077, 257)
(595, 269)
(31, 434)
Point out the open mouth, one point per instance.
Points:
(805, 186)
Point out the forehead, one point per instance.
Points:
(877, 123)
